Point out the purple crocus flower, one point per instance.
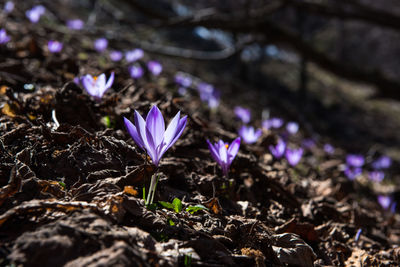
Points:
(54, 46)
(100, 44)
(292, 127)
(383, 162)
(182, 90)
(243, 114)
(308, 143)
(213, 99)
(116, 55)
(75, 24)
(9, 7)
(249, 135)
(376, 176)
(352, 172)
(136, 71)
(183, 80)
(4, 38)
(154, 67)
(272, 123)
(329, 149)
(224, 154)
(205, 88)
(385, 201)
(278, 150)
(134, 55)
(97, 86)
(293, 156)
(35, 13)
(355, 160)
(151, 136)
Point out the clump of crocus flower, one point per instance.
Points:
(243, 114)
(224, 154)
(75, 24)
(136, 71)
(35, 13)
(151, 136)
(96, 86)
(249, 135)
(279, 149)
(100, 44)
(134, 55)
(116, 55)
(353, 166)
(54, 46)
(154, 67)
(4, 38)
(293, 156)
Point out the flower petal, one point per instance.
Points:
(233, 150)
(141, 129)
(152, 148)
(88, 84)
(110, 81)
(222, 152)
(178, 132)
(155, 125)
(133, 132)
(172, 129)
(214, 152)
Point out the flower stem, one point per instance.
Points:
(152, 189)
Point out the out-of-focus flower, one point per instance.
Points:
(9, 7)
(352, 172)
(329, 149)
(243, 114)
(355, 160)
(54, 46)
(383, 162)
(100, 44)
(183, 79)
(35, 13)
(279, 149)
(134, 55)
(308, 143)
(223, 153)
(293, 156)
(357, 237)
(4, 38)
(116, 55)
(272, 123)
(292, 127)
(249, 135)
(136, 71)
(151, 136)
(97, 86)
(209, 94)
(385, 201)
(154, 67)
(213, 99)
(182, 90)
(376, 176)
(75, 24)
(77, 80)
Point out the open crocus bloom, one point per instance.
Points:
(35, 13)
(249, 135)
(97, 86)
(151, 135)
(293, 156)
(223, 153)
(243, 114)
(278, 150)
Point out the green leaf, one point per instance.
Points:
(171, 222)
(196, 208)
(62, 184)
(166, 205)
(177, 204)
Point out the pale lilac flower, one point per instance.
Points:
(352, 172)
(308, 143)
(182, 90)
(355, 160)
(136, 71)
(54, 46)
(383, 162)
(97, 86)
(385, 201)
(224, 154)
(272, 123)
(279, 150)
(75, 24)
(205, 88)
(100, 44)
(183, 80)
(213, 99)
(292, 127)
(376, 176)
(151, 136)
(154, 67)
(77, 80)
(249, 135)
(243, 114)
(293, 156)
(116, 55)
(35, 13)
(4, 38)
(9, 6)
(134, 55)
(329, 149)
